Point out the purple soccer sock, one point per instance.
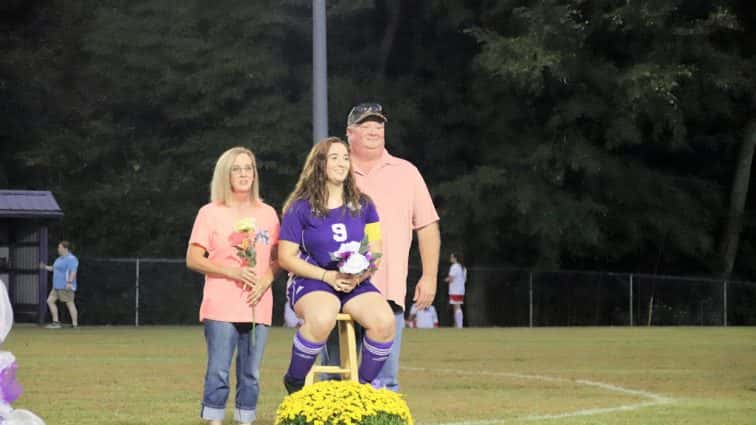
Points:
(374, 355)
(303, 355)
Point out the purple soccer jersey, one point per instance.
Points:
(318, 237)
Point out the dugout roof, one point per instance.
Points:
(28, 204)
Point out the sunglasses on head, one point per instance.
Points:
(368, 107)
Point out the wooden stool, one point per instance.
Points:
(347, 349)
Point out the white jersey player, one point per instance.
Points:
(457, 278)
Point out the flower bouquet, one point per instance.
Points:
(243, 239)
(343, 403)
(355, 257)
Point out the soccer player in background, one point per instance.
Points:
(457, 278)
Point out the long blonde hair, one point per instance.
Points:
(311, 185)
(220, 186)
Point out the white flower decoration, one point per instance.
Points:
(355, 264)
(6, 359)
(347, 247)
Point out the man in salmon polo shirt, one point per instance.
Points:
(404, 206)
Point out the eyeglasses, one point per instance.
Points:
(237, 169)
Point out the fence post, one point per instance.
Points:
(530, 296)
(725, 303)
(136, 297)
(631, 300)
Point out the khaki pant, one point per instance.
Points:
(63, 295)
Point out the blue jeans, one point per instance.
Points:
(222, 339)
(389, 376)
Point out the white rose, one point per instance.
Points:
(6, 359)
(355, 264)
(347, 247)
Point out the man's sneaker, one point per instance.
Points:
(53, 325)
(292, 385)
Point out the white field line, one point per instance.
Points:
(653, 398)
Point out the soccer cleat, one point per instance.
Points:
(292, 385)
(53, 325)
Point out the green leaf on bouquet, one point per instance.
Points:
(364, 245)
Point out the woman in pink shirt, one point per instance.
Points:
(233, 243)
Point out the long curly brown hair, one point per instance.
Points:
(311, 185)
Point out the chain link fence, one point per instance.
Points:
(163, 292)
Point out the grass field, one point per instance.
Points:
(153, 375)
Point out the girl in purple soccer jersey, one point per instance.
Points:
(326, 214)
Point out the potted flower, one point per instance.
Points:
(343, 403)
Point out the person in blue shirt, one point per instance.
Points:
(64, 284)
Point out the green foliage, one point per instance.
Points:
(595, 135)
(556, 133)
(171, 88)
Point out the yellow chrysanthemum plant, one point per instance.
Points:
(343, 403)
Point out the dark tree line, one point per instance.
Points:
(574, 134)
